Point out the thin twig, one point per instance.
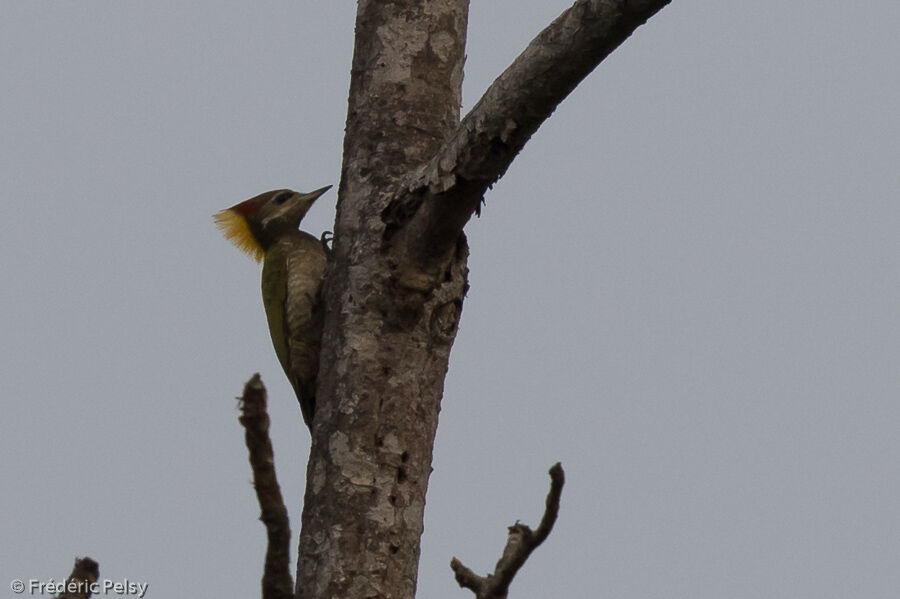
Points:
(519, 545)
(277, 582)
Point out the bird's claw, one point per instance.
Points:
(327, 238)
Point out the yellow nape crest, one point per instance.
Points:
(237, 231)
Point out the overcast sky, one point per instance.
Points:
(686, 289)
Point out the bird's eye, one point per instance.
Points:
(282, 197)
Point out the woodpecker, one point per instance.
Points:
(266, 228)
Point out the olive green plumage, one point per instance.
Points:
(294, 262)
(292, 274)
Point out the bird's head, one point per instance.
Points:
(254, 224)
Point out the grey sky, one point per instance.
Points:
(686, 289)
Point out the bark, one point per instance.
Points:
(412, 176)
(277, 582)
(387, 340)
(443, 195)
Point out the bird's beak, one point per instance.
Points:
(297, 207)
(314, 195)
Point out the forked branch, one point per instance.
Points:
(519, 545)
(277, 582)
(443, 195)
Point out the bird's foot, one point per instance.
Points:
(327, 238)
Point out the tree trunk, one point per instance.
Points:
(412, 176)
(390, 323)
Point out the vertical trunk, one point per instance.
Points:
(389, 323)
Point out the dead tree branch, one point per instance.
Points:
(84, 574)
(443, 195)
(519, 545)
(277, 582)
